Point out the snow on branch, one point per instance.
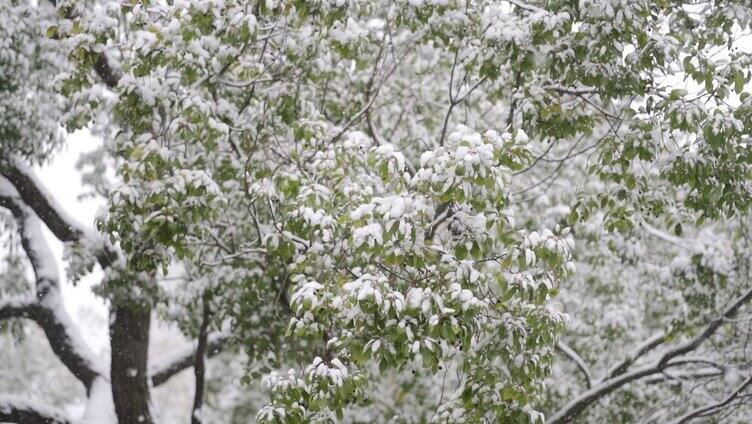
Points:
(166, 369)
(527, 6)
(641, 350)
(715, 407)
(577, 405)
(33, 193)
(48, 310)
(101, 64)
(574, 357)
(14, 409)
(709, 330)
(17, 307)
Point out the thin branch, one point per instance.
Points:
(684, 375)
(710, 409)
(648, 345)
(577, 359)
(579, 404)
(163, 372)
(709, 330)
(199, 366)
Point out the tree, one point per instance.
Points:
(361, 195)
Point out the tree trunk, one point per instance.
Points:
(129, 340)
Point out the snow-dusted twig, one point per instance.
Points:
(574, 357)
(577, 405)
(712, 408)
(648, 345)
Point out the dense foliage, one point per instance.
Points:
(412, 211)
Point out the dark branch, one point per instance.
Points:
(639, 352)
(35, 196)
(101, 64)
(17, 308)
(199, 362)
(48, 311)
(577, 360)
(709, 330)
(104, 70)
(160, 374)
(578, 405)
(16, 410)
(37, 199)
(715, 407)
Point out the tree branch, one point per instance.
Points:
(709, 330)
(17, 308)
(526, 6)
(199, 367)
(36, 197)
(14, 409)
(48, 312)
(101, 64)
(574, 357)
(64, 227)
(162, 372)
(577, 405)
(636, 354)
(709, 409)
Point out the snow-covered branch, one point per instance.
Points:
(641, 350)
(15, 409)
(715, 407)
(17, 307)
(574, 357)
(709, 330)
(33, 194)
(577, 405)
(101, 63)
(166, 369)
(48, 311)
